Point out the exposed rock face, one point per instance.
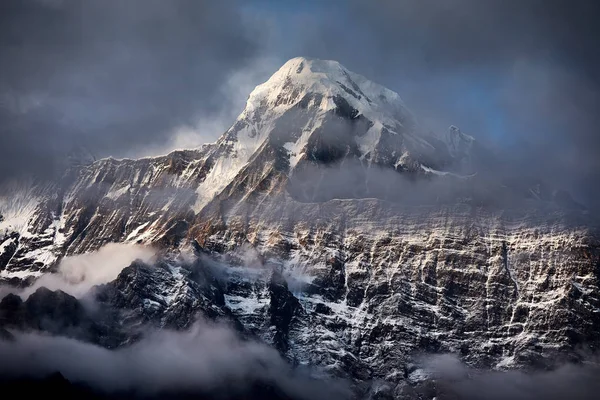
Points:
(162, 296)
(373, 238)
(283, 308)
(54, 312)
(500, 290)
(141, 298)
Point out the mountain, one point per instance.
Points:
(345, 234)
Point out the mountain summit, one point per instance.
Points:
(324, 85)
(315, 113)
(310, 100)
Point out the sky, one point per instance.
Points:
(143, 77)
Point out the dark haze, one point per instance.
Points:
(209, 358)
(112, 76)
(569, 381)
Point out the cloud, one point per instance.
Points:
(209, 358)
(77, 274)
(112, 76)
(211, 125)
(569, 381)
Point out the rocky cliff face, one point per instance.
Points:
(371, 240)
(499, 290)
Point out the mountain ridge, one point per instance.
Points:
(390, 240)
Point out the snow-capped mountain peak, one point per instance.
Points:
(300, 76)
(317, 111)
(299, 108)
(308, 235)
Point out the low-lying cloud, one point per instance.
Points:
(77, 274)
(569, 381)
(208, 358)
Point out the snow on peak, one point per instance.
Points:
(319, 83)
(318, 88)
(300, 76)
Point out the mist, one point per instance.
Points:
(77, 274)
(568, 381)
(209, 358)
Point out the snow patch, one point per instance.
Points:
(114, 194)
(18, 206)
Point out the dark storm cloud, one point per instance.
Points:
(521, 75)
(461, 34)
(113, 76)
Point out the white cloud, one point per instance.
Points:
(210, 126)
(77, 274)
